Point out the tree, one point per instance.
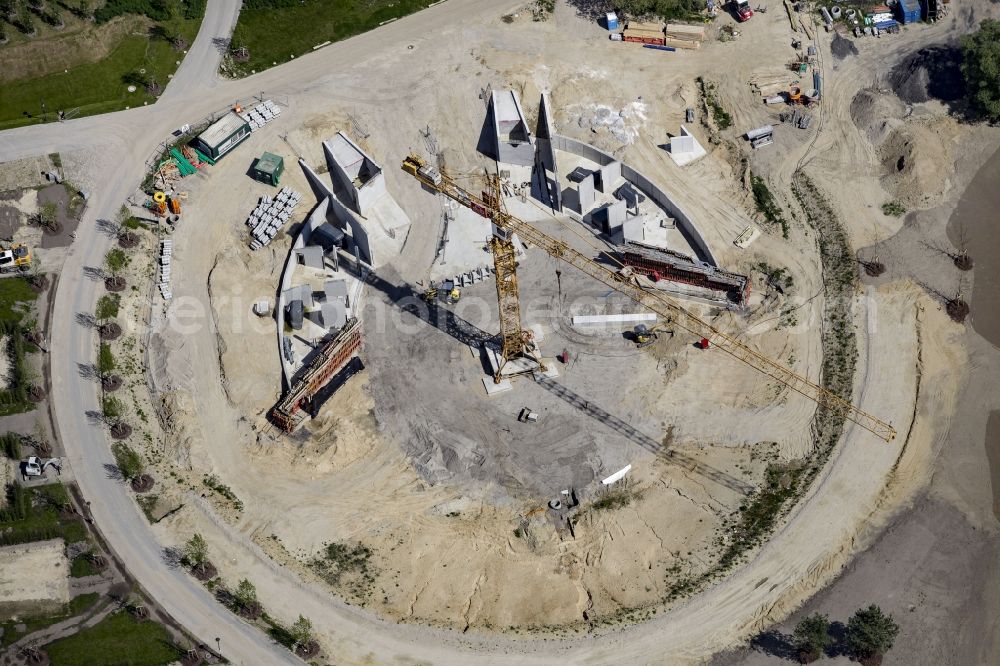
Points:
(981, 67)
(301, 631)
(246, 594)
(106, 362)
(871, 633)
(115, 261)
(196, 551)
(812, 637)
(47, 215)
(107, 307)
(128, 461)
(112, 409)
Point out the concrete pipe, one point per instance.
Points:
(555, 504)
(852, 13)
(835, 12)
(173, 220)
(826, 15)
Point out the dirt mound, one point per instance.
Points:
(915, 159)
(876, 114)
(933, 72)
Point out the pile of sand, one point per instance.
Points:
(916, 162)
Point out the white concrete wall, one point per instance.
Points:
(684, 222)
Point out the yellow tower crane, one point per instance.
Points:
(489, 205)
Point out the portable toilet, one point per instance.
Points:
(612, 21)
(268, 168)
(909, 11)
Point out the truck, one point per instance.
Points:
(743, 10)
(17, 257)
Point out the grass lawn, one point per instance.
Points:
(33, 514)
(82, 566)
(275, 34)
(77, 606)
(117, 639)
(95, 87)
(14, 291)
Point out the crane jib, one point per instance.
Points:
(656, 301)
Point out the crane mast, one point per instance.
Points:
(491, 207)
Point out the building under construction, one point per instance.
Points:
(662, 264)
(334, 355)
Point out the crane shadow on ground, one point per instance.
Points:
(434, 314)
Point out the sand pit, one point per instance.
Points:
(34, 578)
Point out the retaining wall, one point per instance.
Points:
(646, 186)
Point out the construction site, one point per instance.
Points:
(527, 329)
(503, 352)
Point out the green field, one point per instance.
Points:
(275, 30)
(77, 606)
(97, 87)
(15, 295)
(35, 514)
(117, 639)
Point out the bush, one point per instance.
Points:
(870, 632)
(893, 209)
(11, 445)
(981, 67)
(158, 10)
(812, 636)
(194, 9)
(129, 462)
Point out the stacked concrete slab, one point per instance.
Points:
(261, 114)
(355, 172)
(512, 140)
(163, 276)
(270, 215)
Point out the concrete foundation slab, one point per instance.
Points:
(493, 388)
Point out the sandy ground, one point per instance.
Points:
(933, 567)
(33, 578)
(397, 464)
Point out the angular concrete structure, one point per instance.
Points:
(342, 215)
(512, 140)
(354, 172)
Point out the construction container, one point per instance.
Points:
(909, 11)
(268, 168)
(612, 20)
(223, 135)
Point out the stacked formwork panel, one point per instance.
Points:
(270, 215)
(677, 267)
(288, 413)
(261, 114)
(163, 277)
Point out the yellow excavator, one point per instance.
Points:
(16, 257)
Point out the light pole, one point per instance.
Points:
(218, 645)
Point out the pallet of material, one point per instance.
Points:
(682, 44)
(647, 26)
(643, 36)
(683, 31)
